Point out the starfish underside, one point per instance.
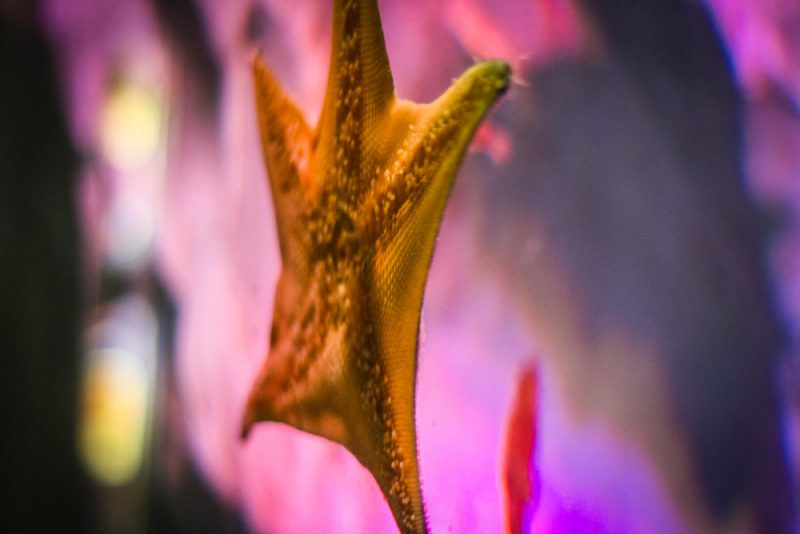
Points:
(358, 202)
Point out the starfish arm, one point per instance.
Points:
(305, 381)
(403, 259)
(436, 138)
(286, 141)
(360, 89)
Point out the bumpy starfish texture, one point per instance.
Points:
(358, 203)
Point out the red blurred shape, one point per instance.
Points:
(519, 480)
(493, 141)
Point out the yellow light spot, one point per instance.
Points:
(129, 131)
(114, 415)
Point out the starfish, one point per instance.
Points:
(358, 202)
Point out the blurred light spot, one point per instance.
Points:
(118, 388)
(131, 229)
(114, 415)
(129, 132)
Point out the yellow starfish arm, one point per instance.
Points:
(360, 86)
(406, 245)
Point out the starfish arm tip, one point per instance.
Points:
(500, 71)
(495, 75)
